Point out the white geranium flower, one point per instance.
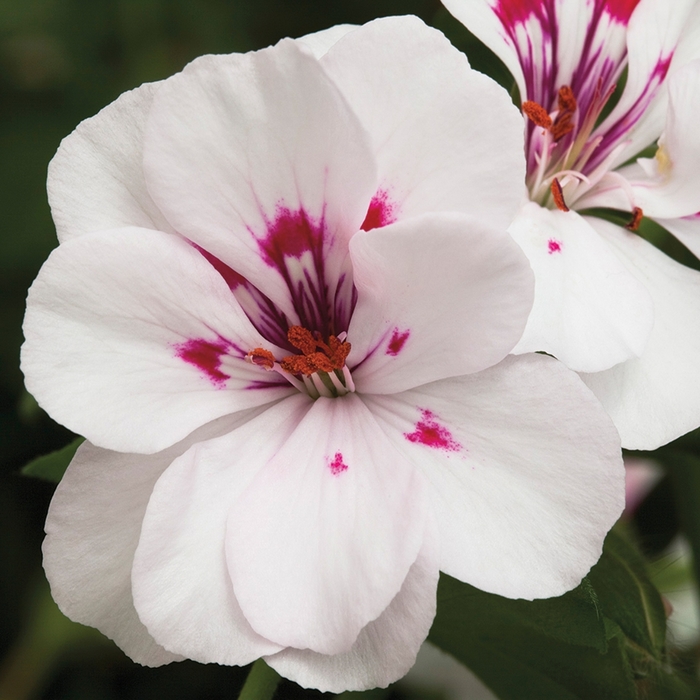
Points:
(279, 314)
(608, 304)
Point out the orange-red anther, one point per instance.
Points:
(537, 114)
(637, 216)
(318, 356)
(558, 195)
(261, 358)
(566, 101)
(302, 339)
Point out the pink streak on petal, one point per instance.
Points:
(512, 12)
(337, 465)
(231, 277)
(398, 340)
(382, 211)
(290, 235)
(206, 357)
(621, 10)
(553, 246)
(430, 433)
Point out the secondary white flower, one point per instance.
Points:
(290, 364)
(607, 303)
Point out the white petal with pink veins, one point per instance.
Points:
(321, 541)
(278, 203)
(181, 584)
(654, 399)
(415, 92)
(96, 180)
(519, 515)
(92, 530)
(134, 340)
(438, 295)
(589, 311)
(672, 187)
(386, 648)
(654, 31)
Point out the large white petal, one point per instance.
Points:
(446, 137)
(321, 541)
(526, 472)
(438, 295)
(92, 530)
(181, 585)
(654, 399)
(320, 42)
(386, 648)
(686, 230)
(134, 340)
(258, 159)
(96, 180)
(589, 311)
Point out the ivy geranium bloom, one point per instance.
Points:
(607, 303)
(280, 313)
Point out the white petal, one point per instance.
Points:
(446, 137)
(319, 42)
(321, 541)
(686, 230)
(589, 311)
(654, 399)
(134, 340)
(385, 649)
(653, 34)
(96, 178)
(258, 159)
(92, 530)
(438, 295)
(526, 471)
(674, 190)
(181, 585)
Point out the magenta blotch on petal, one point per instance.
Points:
(398, 340)
(336, 464)
(431, 433)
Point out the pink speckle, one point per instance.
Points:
(290, 235)
(337, 465)
(553, 246)
(381, 212)
(430, 433)
(398, 340)
(205, 356)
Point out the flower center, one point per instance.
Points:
(319, 370)
(562, 150)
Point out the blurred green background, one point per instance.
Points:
(60, 62)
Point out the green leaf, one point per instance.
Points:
(594, 642)
(505, 645)
(628, 597)
(261, 683)
(51, 467)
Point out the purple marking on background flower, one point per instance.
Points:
(382, 211)
(205, 355)
(291, 234)
(336, 464)
(231, 277)
(398, 340)
(512, 12)
(430, 433)
(553, 246)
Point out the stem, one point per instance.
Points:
(261, 682)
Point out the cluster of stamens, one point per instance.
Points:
(320, 368)
(559, 168)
